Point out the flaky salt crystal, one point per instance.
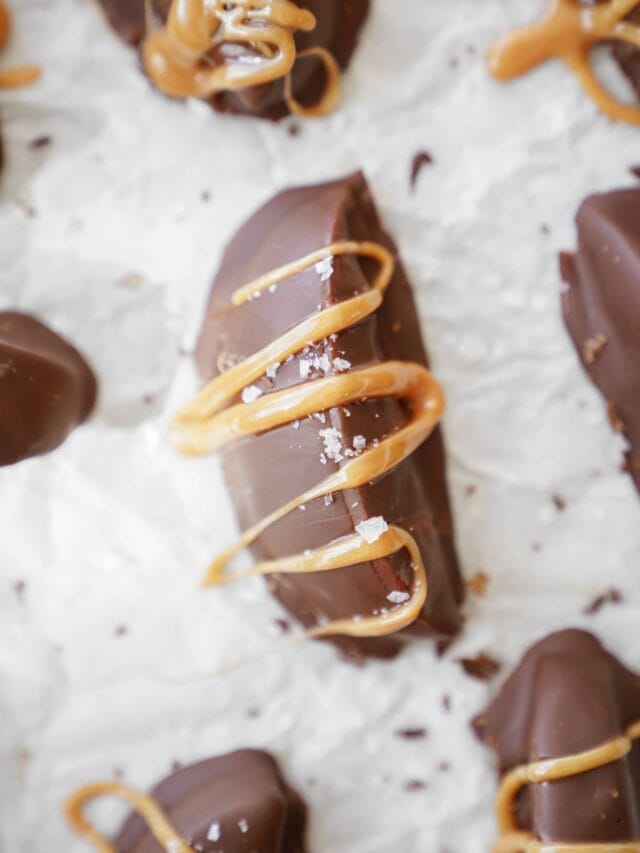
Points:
(332, 443)
(243, 826)
(341, 364)
(359, 442)
(372, 529)
(272, 370)
(396, 596)
(214, 831)
(324, 268)
(251, 394)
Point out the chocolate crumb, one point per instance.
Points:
(470, 490)
(444, 767)
(19, 588)
(593, 348)
(545, 229)
(282, 625)
(483, 666)
(40, 142)
(415, 785)
(610, 596)
(293, 129)
(120, 631)
(536, 546)
(446, 702)
(559, 503)
(478, 583)
(205, 196)
(421, 159)
(253, 712)
(412, 734)
(176, 765)
(149, 399)
(635, 171)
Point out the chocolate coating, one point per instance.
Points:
(265, 472)
(338, 26)
(569, 695)
(243, 792)
(602, 306)
(46, 388)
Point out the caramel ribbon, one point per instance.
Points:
(14, 77)
(210, 422)
(177, 55)
(514, 840)
(145, 805)
(569, 31)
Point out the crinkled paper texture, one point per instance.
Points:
(113, 659)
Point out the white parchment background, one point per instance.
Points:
(105, 234)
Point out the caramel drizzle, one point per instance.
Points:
(14, 77)
(145, 805)
(514, 840)
(210, 422)
(175, 55)
(568, 31)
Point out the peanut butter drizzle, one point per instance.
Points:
(14, 77)
(514, 840)
(210, 422)
(146, 806)
(568, 31)
(175, 55)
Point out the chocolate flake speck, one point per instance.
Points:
(610, 596)
(421, 159)
(412, 734)
(120, 631)
(40, 142)
(559, 503)
(483, 666)
(19, 588)
(635, 170)
(415, 785)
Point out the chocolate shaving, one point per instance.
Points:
(40, 142)
(420, 160)
(483, 666)
(559, 503)
(635, 171)
(412, 734)
(610, 596)
(415, 785)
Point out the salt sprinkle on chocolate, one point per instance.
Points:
(251, 394)
(324, 268)
(372, 529)
(397, 596)
(214, 832)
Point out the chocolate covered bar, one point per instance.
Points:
(249, 56)
(602, 306)
(235, 803)
(320, 401)
(570, 30)
(566, 731)
(46, 388)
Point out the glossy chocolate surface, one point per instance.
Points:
(338, 26)
(265, 472)
(236, 803)
(569, 695)
(602, 306)
(46, 388)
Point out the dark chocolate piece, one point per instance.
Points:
(46, 388)
(602, 306)
(265, 472)
(236, 803)
(338, 27)
(569, 695)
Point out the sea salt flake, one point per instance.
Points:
(296, 424)
(359, 442)
(305, 367)
(272, 370)
(332, 443)
(273, 288)
(340, 365)
(372, 529)
(322, 363)
(324, 268)
(175, 846)
(214, 831)
(328, 500)
(251, 394)
(320, 416)
(243, 825)
(396, 596)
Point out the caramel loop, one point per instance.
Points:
(513, 840)
(146, 806)
(178, 55)
(211, 421)
(569, 31)
(14, 77)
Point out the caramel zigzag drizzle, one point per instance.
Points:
(569, 31)
(514, 840)
(176, 55)
(210, 422)
(144, 804)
